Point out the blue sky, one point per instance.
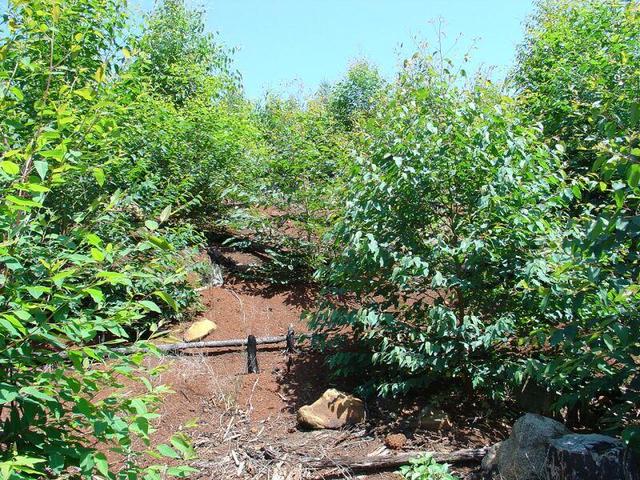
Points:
(294, 45)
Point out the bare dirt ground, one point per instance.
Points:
(244, 426)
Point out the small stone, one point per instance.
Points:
(334, 409)
(490, 461)
(395, 441)
(199, 330)
(434, 419)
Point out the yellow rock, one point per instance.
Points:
(434, 418)
(199, 330)
(333, 409)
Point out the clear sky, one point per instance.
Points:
(289, 45)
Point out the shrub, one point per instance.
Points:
(75, 275)
(579, 74)
(355, 96)
(426, 468)
(447, 222)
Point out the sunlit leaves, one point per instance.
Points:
(73, 267)
(444, 223)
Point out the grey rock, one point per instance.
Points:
(522, 456)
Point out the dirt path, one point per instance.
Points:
(244, 426)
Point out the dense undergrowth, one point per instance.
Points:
(491, 232)
(487, 233)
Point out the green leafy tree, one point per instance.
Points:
(189, 135)
(74, 277)
(447, 220)
(356, 94)
(179, 57)
(579, 74)
(304, 165)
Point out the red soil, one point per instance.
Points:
(236, 415)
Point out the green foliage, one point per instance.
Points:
(303, 172)
(80, 269)
(355, 95)
(477, 246)
(446, 224)
(188, 132)
(426, 468)
(179, 58)
(579, 74)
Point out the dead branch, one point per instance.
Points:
(393, 461)
(240, 342)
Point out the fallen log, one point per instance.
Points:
(240, 342)
(386, 462)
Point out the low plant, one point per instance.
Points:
(426, 468)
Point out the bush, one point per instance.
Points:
(302, 182)
(426, 468)
(79, 268)
(447, 223)
(355, 96)
(579, 74)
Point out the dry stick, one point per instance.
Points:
(394, 461)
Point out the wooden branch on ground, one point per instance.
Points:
(364, 463)
(394, 461)
(240, 342)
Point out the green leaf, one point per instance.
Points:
(9, 167)
(58, 278)
(34, 392)
(609, 342)
(151, 225)
(167, 298)
(166, 451)
(181, 444)
(115, 278)
(181, 471)
(149, 305)
(93, 239)
(87, 93)
(17, 93)
(97, 254)
(633, 177)
(8, 393)
(98, 174)
(22, 202)
(42, 167)
(96, 294)
(160, 242)
(37, 291)
(57, 153)
(166, 213)
(101, 463)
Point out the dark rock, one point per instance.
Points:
(522, 455)
(585, 457)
